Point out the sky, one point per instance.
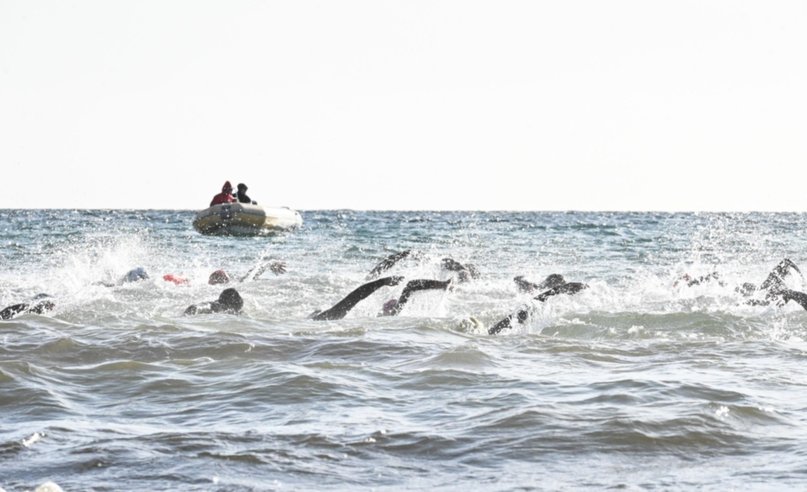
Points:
(405, 105)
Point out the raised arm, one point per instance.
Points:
(341, 308)
(277, 267)
(570, 288)
(388, 263)
(414, 286)
(777, 276)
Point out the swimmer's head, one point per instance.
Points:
(747, 289)
(218, 277)
(552, 281)
(390, 308)
(136, 274)
(229, 300)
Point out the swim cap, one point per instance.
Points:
(175, 279)
(231, 300)
(551, 281)
(218, 277)
(390, 307)
(136, 274)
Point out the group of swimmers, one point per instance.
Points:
(772, 290)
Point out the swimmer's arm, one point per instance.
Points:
(520, 316)
(12, 311)
(277, 267)
(388, 263)
(794, 295)
(416, 285)
(570, 288)
(341, 308)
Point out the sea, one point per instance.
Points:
(639, 382)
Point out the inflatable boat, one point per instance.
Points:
(244, 219)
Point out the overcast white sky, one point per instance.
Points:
(450, 105)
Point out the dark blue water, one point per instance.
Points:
(633, 383)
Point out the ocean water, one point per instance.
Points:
(635, 383)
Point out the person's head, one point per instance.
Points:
(136, 274)
(551, 281)
(390, 308)
(242, 187)
(229, 300)
(227, 188)
(218, 277)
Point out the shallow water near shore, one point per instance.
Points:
(634, 383)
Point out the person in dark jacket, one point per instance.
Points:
(242, 195)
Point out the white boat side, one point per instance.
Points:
(246, 219)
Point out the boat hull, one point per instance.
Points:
(244, 219)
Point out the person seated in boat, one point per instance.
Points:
(391, 308)
(229, 302)
(242, 195)
(226, 195)
(554, 283)
(40, 304)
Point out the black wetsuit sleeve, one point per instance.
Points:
(775, 280)
(341, 308)
(794, 295)
(524, 285)
(567, 288)
(12, 311)
(414, 286)
(520, 316)
(388, 263)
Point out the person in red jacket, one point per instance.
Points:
(226, 195)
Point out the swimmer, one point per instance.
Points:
(774, 288)
(691, 281)
(556, 285)
(40, 305)
(394, 306)
(464, 272)
(229, 302)
(133, 275)
(391, 308)
(220, 276)
(552, 280)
